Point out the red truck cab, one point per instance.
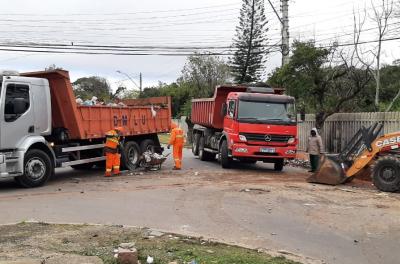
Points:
(248, 124)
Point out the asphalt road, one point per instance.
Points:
(249, 205)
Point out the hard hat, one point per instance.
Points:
(173, 125)
(119, 129)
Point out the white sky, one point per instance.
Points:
(159, 23)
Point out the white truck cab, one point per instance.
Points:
(25, 118)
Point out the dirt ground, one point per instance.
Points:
(249, 205)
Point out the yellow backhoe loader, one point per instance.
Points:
(367, 152)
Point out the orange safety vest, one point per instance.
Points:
(112, 141)
(177, 137)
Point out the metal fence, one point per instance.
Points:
(340, 128)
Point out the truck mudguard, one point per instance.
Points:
(29, 141)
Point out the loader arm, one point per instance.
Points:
(385, 143)
(339, 168)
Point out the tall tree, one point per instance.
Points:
(202, 73)
(325, 81)
(87, 87)
(247, 63)
(381, 15)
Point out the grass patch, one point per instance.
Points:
(38, 240)
(164, 139)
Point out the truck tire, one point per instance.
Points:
(130, 156)
(204, 155)
(37, 169)
(195, 144)
(278, 165)
(386, 174)
(147, 144)
(226, 161)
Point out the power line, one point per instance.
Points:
(360, 43)
(329, 19)
(123, 20)
(58, 45)
(122, 53)
(352, 33)
(302, 14)
(121, 13)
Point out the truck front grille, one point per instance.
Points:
(266, 137)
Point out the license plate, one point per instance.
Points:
(267, 150)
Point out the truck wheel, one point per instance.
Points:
(37, 169)
(131, 155)
(195, 144)
(386, 174)
(226, 161)
(278, 165)
(147, 144)
(85, 166)
(204, 155)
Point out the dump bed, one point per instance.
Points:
(207, 111)
(89, 122)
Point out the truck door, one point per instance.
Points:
(17, 118)
(229, 120)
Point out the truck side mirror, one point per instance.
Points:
(19, 106)
(224, 109)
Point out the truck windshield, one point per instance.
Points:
(266, 112)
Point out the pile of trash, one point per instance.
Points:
(299, 163)
(96, 102)
(152, 160)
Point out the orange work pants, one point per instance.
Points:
(177, 153)
(113, 161)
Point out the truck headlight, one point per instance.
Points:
(242, 150)
(291, 152)
(242, 138)
(291, 140)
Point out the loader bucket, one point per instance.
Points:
(329, 172)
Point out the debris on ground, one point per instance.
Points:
(346, 190)
(257, 190)
(299, 163)
(127, 256)
(43, 240)
(149, 259)
(75, 180)
(126, 253)
(156, 233)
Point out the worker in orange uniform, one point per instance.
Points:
(111, 150)
(177, 141)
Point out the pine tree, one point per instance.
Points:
(247, 63)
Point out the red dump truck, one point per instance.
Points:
(244, 123)
(43, 128)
